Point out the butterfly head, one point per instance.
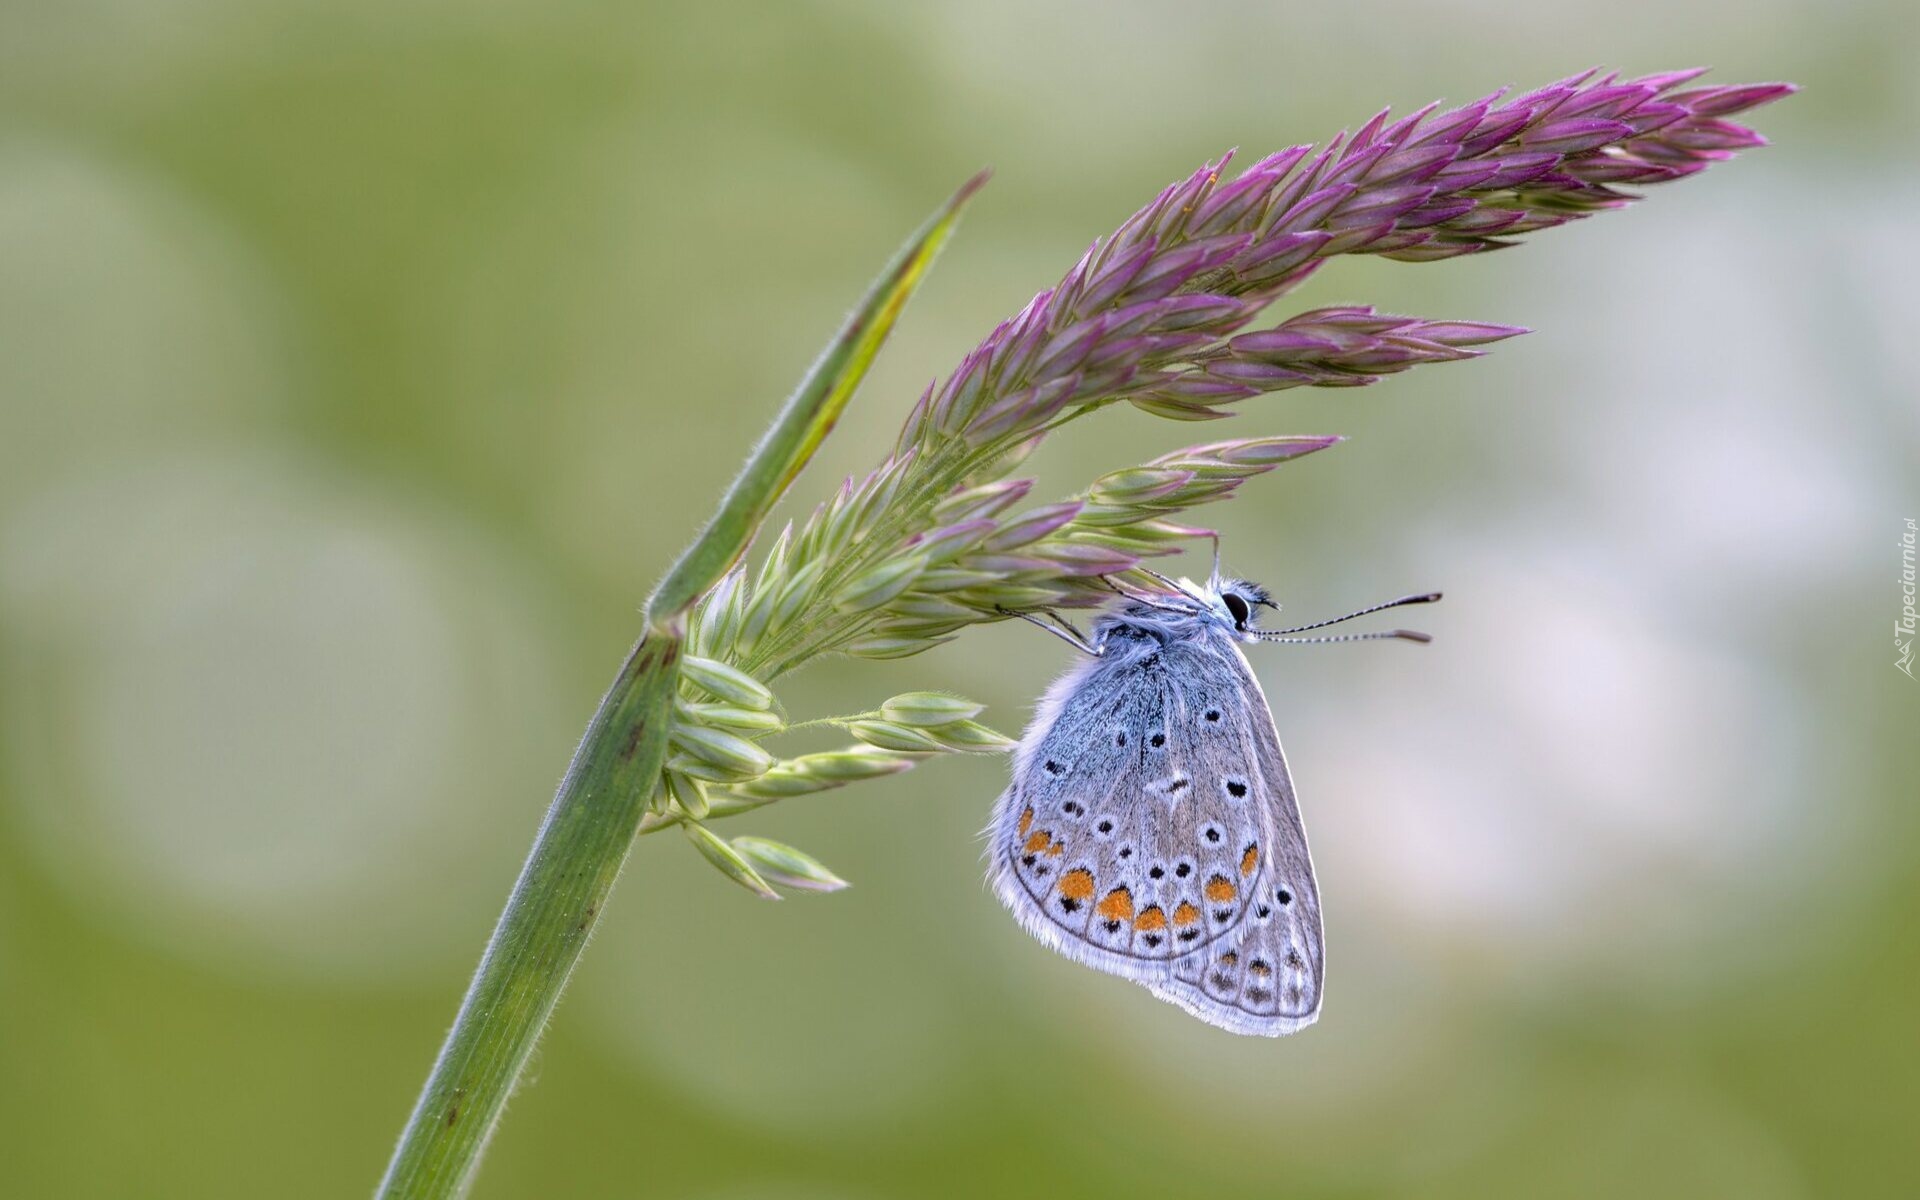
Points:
(1242, 601)
(1227, 606)
(1231, 605)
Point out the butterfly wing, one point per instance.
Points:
(1128, 839)
(1266, 979)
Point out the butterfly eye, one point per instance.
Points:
(1237, 606)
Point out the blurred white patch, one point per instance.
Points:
(572, 302)
(1085, 64)
(260, 713)
(816, 1016)
(1878, 258)
(131, 316)
(1693, 405)
(1600, 793)
(132, 51)
(1687, 1138)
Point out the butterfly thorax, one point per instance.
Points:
(1136, 624)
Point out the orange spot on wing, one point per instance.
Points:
(1026, 822)
(1229, 958)
(1056, 850)
(1249, 860)
(1038, 842)
(1220, 889)
(1077, 884)
(1116, 905)
(1150, 919)
(1186, 914)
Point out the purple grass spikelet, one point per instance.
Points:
(1164, 314)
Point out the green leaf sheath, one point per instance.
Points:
(806, 420)
(590, 826)
(561, 891)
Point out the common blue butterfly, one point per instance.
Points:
(1150, 829)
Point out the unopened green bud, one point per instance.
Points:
(924, 607)
(722, 749)
(851, 764)
(880, 584)
(700, 768)
(730, 862)
(889, 736)
(929, 708)
(786, 866)
(973, 737)
(893, 646)
(952, 579)
(1014, 597)
(728, 683)
(730, 716)
(729, 805)
(989, 499)
(779, 784)
(1140, 485)
(797, 592)
(689, 793)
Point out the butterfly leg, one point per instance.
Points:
(1148, 600)
(1060, 628)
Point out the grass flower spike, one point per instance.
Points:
(1157, 315)
(1166, 314)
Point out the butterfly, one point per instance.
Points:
(1150, 829)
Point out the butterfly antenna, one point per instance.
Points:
(1407, 635)
(1426, 598)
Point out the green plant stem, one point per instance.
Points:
(560, 893)
(589, 828)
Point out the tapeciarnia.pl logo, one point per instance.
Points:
(1904, 627)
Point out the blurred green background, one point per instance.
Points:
(362, 362)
